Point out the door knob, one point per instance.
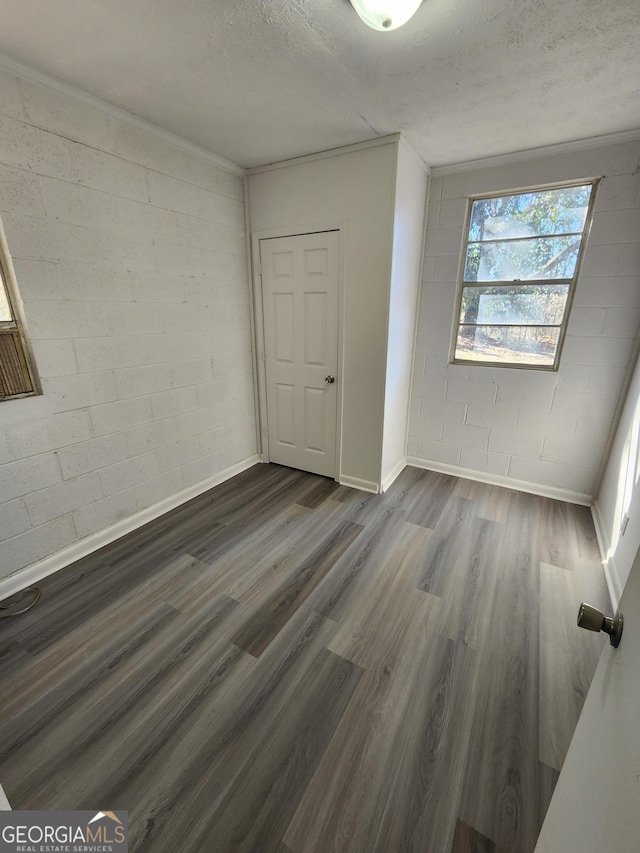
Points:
(594, 620)
(329, 379)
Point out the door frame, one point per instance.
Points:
(258, 324)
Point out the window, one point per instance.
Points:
(520, 267)
(17, 378)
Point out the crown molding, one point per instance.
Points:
(26, 72)
(533, 153)
(323, 155)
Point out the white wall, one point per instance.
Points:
(619, 495)
(544, 431)
(355, 191)
(129, 254)
(408, 236)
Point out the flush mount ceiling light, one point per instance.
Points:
(385, 14)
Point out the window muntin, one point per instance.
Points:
(521, 261)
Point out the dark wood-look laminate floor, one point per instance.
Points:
(285, 664)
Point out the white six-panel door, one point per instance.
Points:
(300, 287)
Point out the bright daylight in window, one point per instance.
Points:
(5, 310)
(521, 262)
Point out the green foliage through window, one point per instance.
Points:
(521, 261)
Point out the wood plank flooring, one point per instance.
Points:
(289, 665)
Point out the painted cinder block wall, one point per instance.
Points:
(546, 432)
(130, 257)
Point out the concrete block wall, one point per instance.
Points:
(129, 255)
(546, 431)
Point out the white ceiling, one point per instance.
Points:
(263, 80)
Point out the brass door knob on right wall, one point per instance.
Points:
(593, 619)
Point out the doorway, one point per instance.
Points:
(300, 302)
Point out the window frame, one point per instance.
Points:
(594, 182)
(15, 329)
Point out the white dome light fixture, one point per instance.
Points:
(385, 15)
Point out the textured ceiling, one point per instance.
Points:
(263, 80)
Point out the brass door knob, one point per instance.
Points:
(592, 619)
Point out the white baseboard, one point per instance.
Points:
(611, 573)
(49, 565)
(4, 802)
(395, 473)
(500, 480)
(356, 483)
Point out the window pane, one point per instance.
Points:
(557, 211)
(527, 304)
(545, 257)
(5, 309)
(534, 345)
